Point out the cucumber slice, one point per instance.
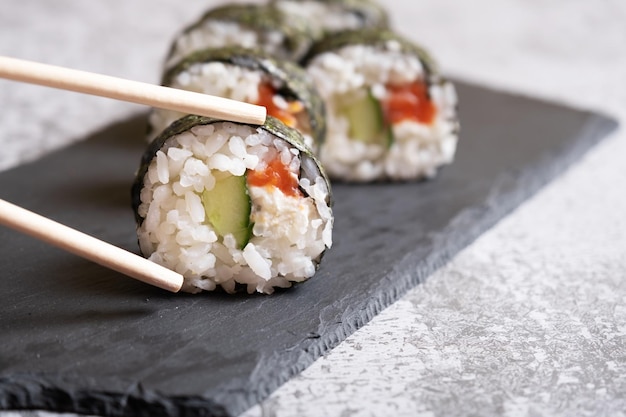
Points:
(367, 123)
(227, 206)
(389, 136)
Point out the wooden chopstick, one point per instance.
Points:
(89, 247)
(132, 91)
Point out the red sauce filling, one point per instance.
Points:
(408, 102)
(287, 116)
(278, 175)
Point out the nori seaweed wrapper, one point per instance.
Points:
(289, 79)
(262, 18)
(310, 167)
(377, 39)
(370, 14)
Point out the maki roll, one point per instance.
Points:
(232, 205)
(326, 17)
(390, 115)
(247, 25)
(241, 74)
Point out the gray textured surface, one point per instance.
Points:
(530, 319)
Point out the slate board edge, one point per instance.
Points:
(28, 392)
(35, 391)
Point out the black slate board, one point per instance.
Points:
(77, 337)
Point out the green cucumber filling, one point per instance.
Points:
(366, 121)
(227, 206)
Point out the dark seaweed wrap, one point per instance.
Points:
(289, 79)
(310, 167)
(262, 18)
(370, 14)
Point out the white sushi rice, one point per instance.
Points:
(217, 33)
(289, 233)
(217, 79)
(417, 150)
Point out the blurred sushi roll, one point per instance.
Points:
(241, 74)
(333, 16)
(252, 26)
(390, 115)
(232, 205)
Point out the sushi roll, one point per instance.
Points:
(332, 16)
(232, 205)
(252, 26)
(390, 115)
(241, 74)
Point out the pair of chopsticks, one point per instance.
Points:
(80, 243)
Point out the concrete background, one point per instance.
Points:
(530, 320)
